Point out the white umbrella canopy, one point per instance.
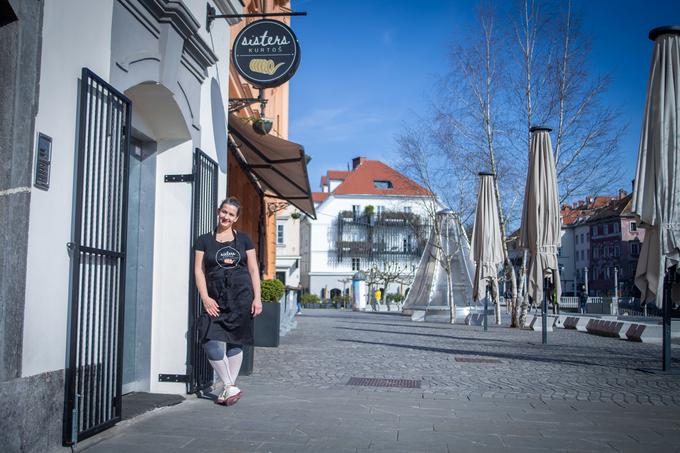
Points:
(656, 198)
(540, 230)
(487, 248)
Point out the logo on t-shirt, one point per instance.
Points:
(227, 257)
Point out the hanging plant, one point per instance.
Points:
(296, 215)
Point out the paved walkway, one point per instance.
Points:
(496, 391)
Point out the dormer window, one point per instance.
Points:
(382, 184)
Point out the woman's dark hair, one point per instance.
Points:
(233, 201)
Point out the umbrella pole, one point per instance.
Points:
(669, 279)
(544, 315)
(486, 306)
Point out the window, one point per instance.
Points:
(583, 255)
(382, 184)
(600, 230)
(582, 238)
(356, 210)
(635, 248)
(633, 226)
(407, 209)
(356, 264)
(616, 227)
(596, 252)
(617, 251)
(380, 210)
(576, 239)
(279, 234)
(593, 231)
(407, 244)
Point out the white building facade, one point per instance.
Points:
(288, 252)
(370, 216)
(109, 239)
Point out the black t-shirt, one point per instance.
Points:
(225, 255)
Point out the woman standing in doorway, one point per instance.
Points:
(228, 281)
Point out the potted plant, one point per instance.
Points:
(262, 125)
(267, 324)
(310, 300)
(368, 212)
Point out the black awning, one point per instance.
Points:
(280, 166)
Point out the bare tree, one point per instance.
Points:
(552, 86)
(503, 80)
(423, 161)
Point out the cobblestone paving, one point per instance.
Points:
(329, 347)
(578, 393)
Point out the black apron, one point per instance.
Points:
(232, 288)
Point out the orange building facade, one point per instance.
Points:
(260, 203)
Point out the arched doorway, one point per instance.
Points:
(157, 126)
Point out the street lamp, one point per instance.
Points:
(615, 301)
(585, 280)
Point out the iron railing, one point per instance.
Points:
(390, 234)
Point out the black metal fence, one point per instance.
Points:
(204, 205)
(94, 372)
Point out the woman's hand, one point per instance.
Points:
(256, 307)
(211, 307)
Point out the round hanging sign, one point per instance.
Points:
(266, 53)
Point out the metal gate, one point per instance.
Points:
(203, 220)
(97, 287)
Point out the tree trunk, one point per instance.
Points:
(449, 296)
(524, 292)
(496, 300)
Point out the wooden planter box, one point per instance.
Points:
(267, 325)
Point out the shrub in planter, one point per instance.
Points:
(267, 324)
(394, 297)
(342, 301)
(272, 290)
(310, 300)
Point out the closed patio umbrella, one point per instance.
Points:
(656, 197)
(487, 248)
(540, 231)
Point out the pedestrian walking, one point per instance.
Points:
(298, 295)
(228, 281)
(582, 299)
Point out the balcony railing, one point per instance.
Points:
(388, 234)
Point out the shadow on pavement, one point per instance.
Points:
(496, 355)
(433, 335)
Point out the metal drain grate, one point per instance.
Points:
(476, 360)
(377, 382)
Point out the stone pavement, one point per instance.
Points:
(496, 391)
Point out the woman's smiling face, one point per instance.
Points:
(228, 215)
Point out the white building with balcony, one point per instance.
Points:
(370, 216)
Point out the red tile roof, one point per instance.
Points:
(361, 181)
(594, 208)
(324, 180)
(318, 197)
(337, 174)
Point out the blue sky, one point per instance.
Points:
(368, 66)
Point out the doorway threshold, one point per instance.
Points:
(137, 403)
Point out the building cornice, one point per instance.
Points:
(176, 14)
